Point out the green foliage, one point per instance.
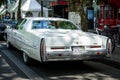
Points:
(78, 7)
(98, 2)
(2, 2)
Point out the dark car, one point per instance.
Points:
(9, 24)
(2, 29)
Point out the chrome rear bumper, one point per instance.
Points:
(69, 55)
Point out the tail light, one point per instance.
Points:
(95, 46)
(57, 48)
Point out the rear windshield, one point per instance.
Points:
(47, 24)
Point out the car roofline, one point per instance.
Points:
(46, 18)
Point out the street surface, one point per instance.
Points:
(13, 68)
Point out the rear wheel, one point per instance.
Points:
(42, 50)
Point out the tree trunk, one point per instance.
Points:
(19, 11)
(3, 2)
(78, 7)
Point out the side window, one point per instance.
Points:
(37, 24)
(71, 26)
(67, 25)
(64, 25)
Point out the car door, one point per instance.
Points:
(10, 31)
(19, 34)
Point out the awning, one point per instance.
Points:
(32, 5)
(13, 7)
(54, 3)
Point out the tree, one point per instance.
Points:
(78, 7)
(2, 2)
(98, 2)
(19, 10)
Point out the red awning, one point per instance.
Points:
(59, 3)
(116, 2)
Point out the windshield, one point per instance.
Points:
(51, 24)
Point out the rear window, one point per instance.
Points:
(51, 24)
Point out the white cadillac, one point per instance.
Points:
(56, 39)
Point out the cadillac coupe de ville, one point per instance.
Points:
(56, 39)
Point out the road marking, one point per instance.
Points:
(28, 72)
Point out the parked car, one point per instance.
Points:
(2, 29)
(9, 24)
(56, 39)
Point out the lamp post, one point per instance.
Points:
(6, 6)
(42, 5)
(41, 8)
(7, 15)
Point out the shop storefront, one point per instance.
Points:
(60, 8)
(109, 13)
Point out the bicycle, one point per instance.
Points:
(112, 33)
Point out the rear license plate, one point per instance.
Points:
(78, 50)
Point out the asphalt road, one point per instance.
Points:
(74, 70)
